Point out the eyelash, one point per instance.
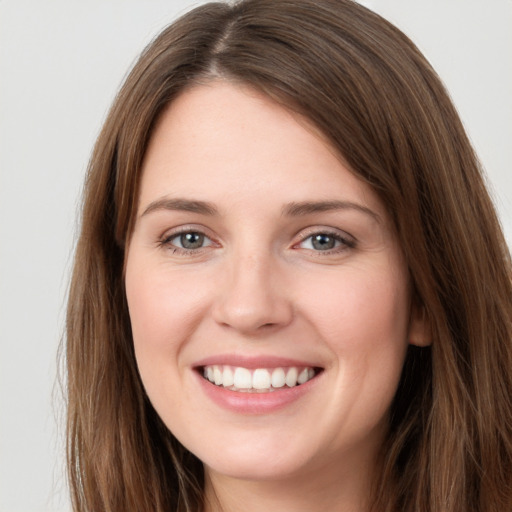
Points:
(343, 242)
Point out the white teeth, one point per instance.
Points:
(278, 378)
(303, 376)
(217, 375)
(257, 380)
(243, 378)
(228, 377)
(261, 379)
(291, 377)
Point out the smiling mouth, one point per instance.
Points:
(258, 380)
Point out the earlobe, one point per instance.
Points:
(419, 328)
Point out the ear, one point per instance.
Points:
(419, 329)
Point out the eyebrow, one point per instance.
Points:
(309, 207)
(294, 209)
(186, 205)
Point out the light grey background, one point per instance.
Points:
(61, 62)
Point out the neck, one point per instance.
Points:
(329, 490)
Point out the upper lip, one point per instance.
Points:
(252, 362)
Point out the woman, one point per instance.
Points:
(290, 289)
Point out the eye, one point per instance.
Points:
(326, 241)
(321, 242)
(187, 241)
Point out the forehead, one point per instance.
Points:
(230, 142)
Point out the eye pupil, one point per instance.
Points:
(323, 242)
(192, 240)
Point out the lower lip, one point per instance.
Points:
(255, 403)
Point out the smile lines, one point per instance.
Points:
(259, 380)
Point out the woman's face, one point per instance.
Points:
(268, 295)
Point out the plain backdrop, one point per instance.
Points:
(61, 62)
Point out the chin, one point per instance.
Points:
(256, 470)
(258, 460)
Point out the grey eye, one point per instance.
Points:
(191, 240)
(323, 242)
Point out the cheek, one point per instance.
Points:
(161, 305)
(163, 313)
(360, 308)
(364, 321)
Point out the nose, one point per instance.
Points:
(252, 297)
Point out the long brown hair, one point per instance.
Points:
(370, 91)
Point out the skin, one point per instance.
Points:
(258, 286)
